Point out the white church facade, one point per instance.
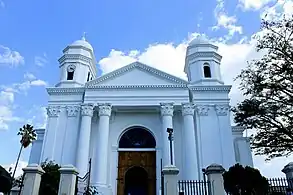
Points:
(120, 120)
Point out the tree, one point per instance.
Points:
(50, 179)
(244, 181)
(28, 135)
(267, 84)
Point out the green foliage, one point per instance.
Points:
(267, 85)
(27, 134)
(5, 181)
(239, 180)
(50, 179)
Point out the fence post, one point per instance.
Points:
(288, 170)
(215, 178)
(67, 180)
(170, 180)
(32, 179)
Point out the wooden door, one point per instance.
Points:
(146, 160)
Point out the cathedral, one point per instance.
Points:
(132, 122)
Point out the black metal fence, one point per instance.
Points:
(194, 187)
(280, 186)
(82, 186)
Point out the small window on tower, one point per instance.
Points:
(88, 76)
(207, 70)
(70, 72)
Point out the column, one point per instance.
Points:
(83, 145)
(215, 177)
(102, 147)
(50, 133)
(191, 166)
(67, 180)
(32, 179)
(167, 122)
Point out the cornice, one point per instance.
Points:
(217, 88)
(205, 54)
(65, 91)
(140, 66)
(180, 86)
(74, 57)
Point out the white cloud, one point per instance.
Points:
(29, 76)
(41, 60)
(278, 10)
(38, 83)
(225, 21)
(254, 4)
(21, 164)
(9, 57)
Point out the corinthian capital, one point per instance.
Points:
(222, 110)
(187, 109)
(53, 111)
(203, 110)
(87, 109)
(167, 109)
(72, 111)
(105, 109)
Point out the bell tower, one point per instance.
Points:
(77, 64)
(202, 63)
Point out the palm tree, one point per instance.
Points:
(28, 135)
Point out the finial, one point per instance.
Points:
(83, 37)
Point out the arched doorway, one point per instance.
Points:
(136, 181)
(137, 163)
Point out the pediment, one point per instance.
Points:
(136, 74)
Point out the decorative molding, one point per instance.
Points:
(187, 109)
(105, 109)
(140, 66)
(87, 110)
(218, 88)
(74, 57)
(203, 110)
(238, 129)
(206, 54)
(63, 91)
(72, 111)
(135, 86)
(53, 111)
(222, 110)
(167, 109)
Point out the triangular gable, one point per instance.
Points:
(137, 74)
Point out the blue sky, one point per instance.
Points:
(33, 34)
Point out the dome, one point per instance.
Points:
(199, 40)
(82, 43)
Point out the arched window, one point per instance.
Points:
(137, 137)
(207, 70)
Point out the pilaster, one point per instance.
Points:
(71, 135)
(225, 137)
(167, 111)
(49, 145)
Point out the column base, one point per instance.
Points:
(103, 189)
